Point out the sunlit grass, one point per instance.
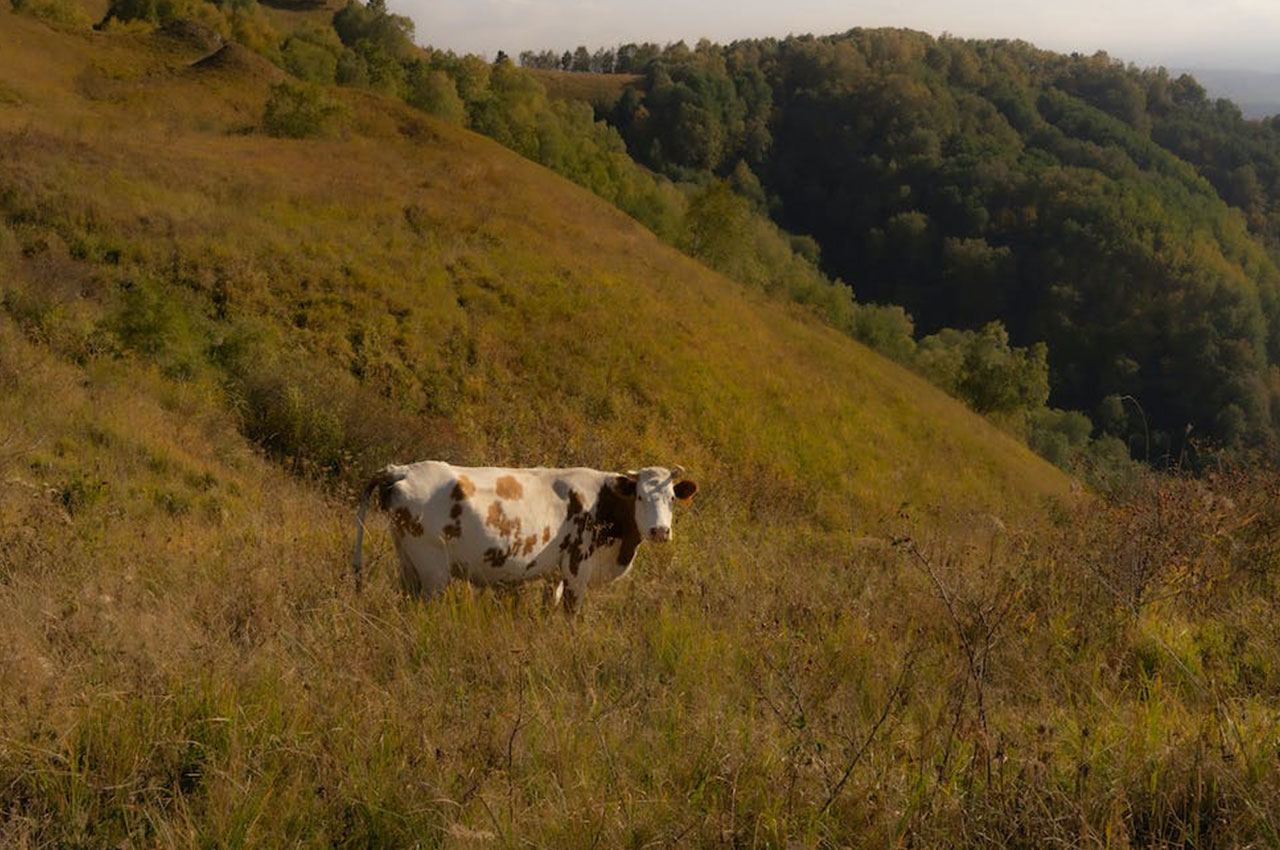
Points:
(204, 341)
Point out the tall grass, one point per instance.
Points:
(206, 676)
(881, 621)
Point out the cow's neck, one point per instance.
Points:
(615, 520)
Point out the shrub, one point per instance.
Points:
(309, 61)
(298, 111)
(81, 493)
(154, 325)
(1058, 436)
(886, 328)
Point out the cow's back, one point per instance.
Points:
(485, 524)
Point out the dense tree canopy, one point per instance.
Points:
(1079, 201)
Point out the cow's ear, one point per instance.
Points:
(685, 490)
(624, 485)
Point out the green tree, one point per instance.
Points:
(984, 371)
(298, 111)
(434, 92)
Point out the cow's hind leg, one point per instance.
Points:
(424, 569)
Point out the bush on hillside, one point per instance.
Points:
(983, 370)
(1058, 435)
(886, 328)
(152, 323)
(312, 57)
(299, 111)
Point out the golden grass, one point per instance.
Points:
(186, 664)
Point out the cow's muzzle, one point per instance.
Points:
(660, 534)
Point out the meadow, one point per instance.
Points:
(882, 621)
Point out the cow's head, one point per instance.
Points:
(654, 488)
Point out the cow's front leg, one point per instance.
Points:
(575, 589)
(552, 591)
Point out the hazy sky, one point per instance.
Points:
(1243, 34)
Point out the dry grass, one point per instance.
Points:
(187, 665)
(882, 621)
(600, 90)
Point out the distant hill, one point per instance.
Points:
(1257, 93)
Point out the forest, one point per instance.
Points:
(1115, 214)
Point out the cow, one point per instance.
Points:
(496, 526)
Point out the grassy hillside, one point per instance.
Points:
(208, 334)
(600, 90)
(453, 284)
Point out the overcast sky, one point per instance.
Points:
(1242, 34)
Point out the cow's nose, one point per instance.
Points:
(660, 534)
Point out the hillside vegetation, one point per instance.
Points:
(881, 622)
(1116, 214)
(547, 115)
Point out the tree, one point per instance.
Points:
(298, 110)
(602, 61)
(984, 371)
(434, 91)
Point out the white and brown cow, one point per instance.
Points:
(494, 526)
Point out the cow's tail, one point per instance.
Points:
(382, 482)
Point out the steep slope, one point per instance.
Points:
(188, 304)
(450, 280)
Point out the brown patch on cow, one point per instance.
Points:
(453, 530)
(546, 533)
(495, 556)
(580, 549)
(463, 489)
(615, 520)
(575, 546)
(498, 520)
(529, 543)
(531, 566)
(406, 524)
(507, 487)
